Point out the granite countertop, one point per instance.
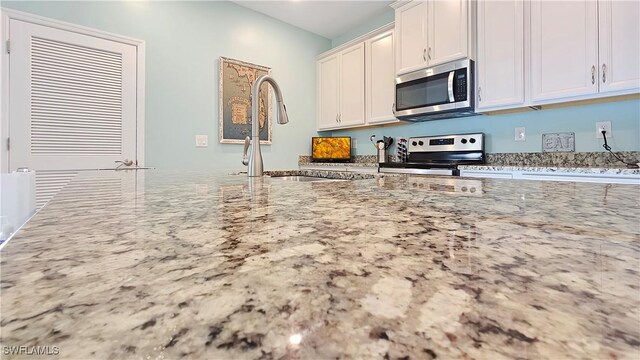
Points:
(154, 264)
(358, 161)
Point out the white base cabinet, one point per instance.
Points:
(552, 176)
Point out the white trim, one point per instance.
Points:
(141, 104)
(7, 15)
(554, 176)
(41, 20)
(4, 96)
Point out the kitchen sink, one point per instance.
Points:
(304, 178)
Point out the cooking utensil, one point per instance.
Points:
(387, 142)
(382, 151)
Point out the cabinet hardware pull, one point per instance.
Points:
(336, 117)
(424, 54)
(479, 93)
(593, 74)
(340, 118)
(429, 53)
(604, 73)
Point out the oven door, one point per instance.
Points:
(440, 89)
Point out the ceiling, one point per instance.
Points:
(325, 18)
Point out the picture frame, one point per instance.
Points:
(235, 79)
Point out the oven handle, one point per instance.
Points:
(450, 86)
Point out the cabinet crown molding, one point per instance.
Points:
(357, 40)
(401, 3)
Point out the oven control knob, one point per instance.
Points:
(464, 141)
(414, 143)
(472, 140)
(420, 143)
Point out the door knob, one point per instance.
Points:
(126, 162)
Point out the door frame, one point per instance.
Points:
(7, 15)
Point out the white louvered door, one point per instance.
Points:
(72, 104)
(73, 99)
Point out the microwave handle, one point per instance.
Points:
(450, 86)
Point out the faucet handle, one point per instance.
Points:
(245, 158)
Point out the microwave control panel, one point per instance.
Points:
(460, 85)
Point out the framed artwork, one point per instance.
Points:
(234, 103)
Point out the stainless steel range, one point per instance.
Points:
(439, 155)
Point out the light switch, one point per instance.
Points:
(520, 134)
(202, 141)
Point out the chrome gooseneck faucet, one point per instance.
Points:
(254, 159)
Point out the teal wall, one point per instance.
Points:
(183, 43)
(500, 129)
(383, 19)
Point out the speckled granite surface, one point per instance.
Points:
(358, 160)
(599, 159)
(156, 265)
(581, 162)
(344, 175)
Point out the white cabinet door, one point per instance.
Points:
(380, 80)
(619, 45)
(411, 37)
(564, 49)
(73, 99)
(447, 31)
(328, 100)
(500, 64)
(352, 86)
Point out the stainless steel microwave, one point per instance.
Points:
(442, 91)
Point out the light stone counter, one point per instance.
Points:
(197, 265)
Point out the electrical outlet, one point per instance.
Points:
(520, 134)
(202, 141)
(606, 126)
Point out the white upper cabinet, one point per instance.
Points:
(564, 49)
(447, 31)
(619, 24)
(356, 82)
(411, 37)
(380, 79)
(431, 32)
(340, 101)
(500, 62)
(328, 97)
(352, 86)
